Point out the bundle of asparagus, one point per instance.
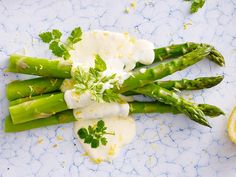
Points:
(39, 102)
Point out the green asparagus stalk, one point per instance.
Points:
(210, 110)
(135, 107)
(30, 98)
(185, 84)
(39, 66)
(32, 87)
(169, 97)
(177, 50)
(59, 69)
(39, 108)
(140, 78)
(59, 118)
(20, 89)
(141, 107)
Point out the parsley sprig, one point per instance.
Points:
(94, 81)
(94, 135)
(57, 47)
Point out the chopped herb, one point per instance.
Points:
(93, 81)
(75, 36)
(57, 47)
(46, 37)
(94, 135)
(196, 5)
(100, 65)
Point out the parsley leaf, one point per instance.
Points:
(100, 65)
(75, 36)
(94, 135)
(197, 4)
(46, 37)
(56, 34)
(57, 47)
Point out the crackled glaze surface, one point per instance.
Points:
(165, 145)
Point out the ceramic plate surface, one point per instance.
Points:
(165, 145)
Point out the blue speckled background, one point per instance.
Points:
(165, 145)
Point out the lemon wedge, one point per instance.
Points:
(231, 127)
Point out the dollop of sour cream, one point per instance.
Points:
(121, 52)
(124, 129)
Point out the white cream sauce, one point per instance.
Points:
(124, 129)
(102, 110)
(121, 52)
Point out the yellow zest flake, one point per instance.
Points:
(106, 52)
(85, 154)
(40, 141)
(31, 88)
(120, 56)
(154, 146)
(127, 10)
(53, 81)
(41, 66)
(36, 68)
(120, 138)
(95, 33)
(132, 40)
(42, 114)
(133, 4)
(22, 64)
(130, 55)
(112, 150)
(96, 161)
(126, 34)
(77, 113)
(105, 33)
(186, 25)
(120, 46)
(60, 138)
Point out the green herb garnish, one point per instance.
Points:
(93, 81)
(196, 4)
(57, 47)
(94, 135)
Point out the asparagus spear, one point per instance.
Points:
(177, 50)
(30, 98)
(141, 107)
(135, 107)
(210, 110)
(39, 66)
(32, 87)
(39, 108)
(139, 78)
(20, 89)
(57, 104)
(54, 68)
(59, 118)
(185, 84)
(169, 97)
